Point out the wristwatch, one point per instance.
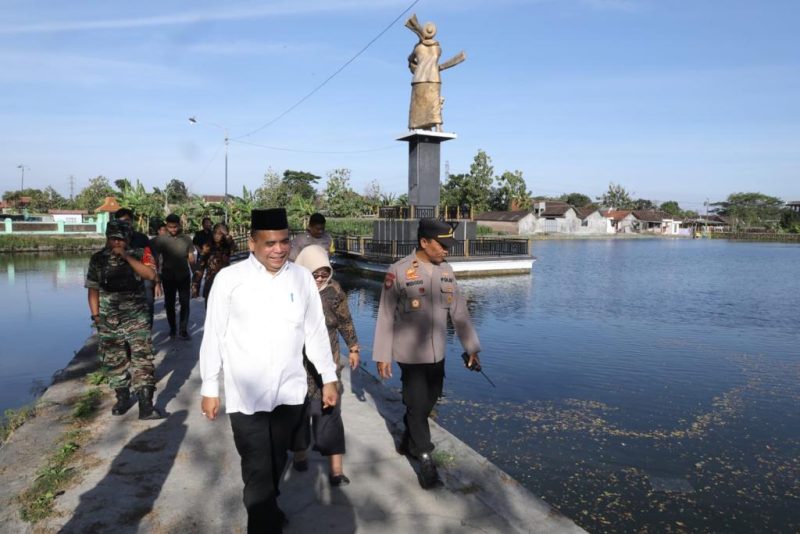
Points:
(93, 317)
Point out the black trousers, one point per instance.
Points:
(182, 288)
(262, 440)
(422, 387)
(149, 293)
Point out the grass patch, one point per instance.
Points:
(98, 378)
(20, 243)
(86, 405)
(13, 419)
(443, 458)
(37, 502)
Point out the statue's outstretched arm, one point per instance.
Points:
(453, 61)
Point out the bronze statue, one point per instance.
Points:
(426, 96)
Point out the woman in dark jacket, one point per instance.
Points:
(326, 424)
(214, 256)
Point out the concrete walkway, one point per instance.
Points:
(182, 474)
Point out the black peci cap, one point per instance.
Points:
(271, 219)
(438, 230)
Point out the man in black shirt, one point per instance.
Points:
(203, 236)
(177, 255)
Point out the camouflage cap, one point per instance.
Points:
(119, 229)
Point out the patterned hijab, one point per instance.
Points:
(314, 257)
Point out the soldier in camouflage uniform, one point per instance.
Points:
(118, 306)
(327, 424)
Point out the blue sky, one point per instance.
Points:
(674, 99)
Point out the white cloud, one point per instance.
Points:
(204, 15)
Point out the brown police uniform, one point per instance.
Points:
(411, 329)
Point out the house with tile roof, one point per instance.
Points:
(621, 221)
(593, 221)
(517, 222)
(656, 222)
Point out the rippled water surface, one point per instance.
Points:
(643, 385)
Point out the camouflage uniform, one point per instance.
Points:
(123, 320)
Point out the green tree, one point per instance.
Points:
(790, 221)
(577, 200)
(92, 196)
(239, 209)
(177, 192)
(644, 204)
(145, 206)
(273, 192)
(671, 207)
(616, 197)
(473, 189)
(300, 183)
(340, 200)
(511, 192)
(40, 201)
(123, 184)
(750, 209)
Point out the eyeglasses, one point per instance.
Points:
(320, 275)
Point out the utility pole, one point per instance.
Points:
(22, 168)
(706, 217)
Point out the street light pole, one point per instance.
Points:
(194, 120)
(22, 168)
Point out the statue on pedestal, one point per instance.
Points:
(426, 96)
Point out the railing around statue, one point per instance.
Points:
(408, 212)
(499, 247)
(371, 249)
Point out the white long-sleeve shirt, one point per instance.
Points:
(256, 326)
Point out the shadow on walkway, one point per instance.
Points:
(133, 483)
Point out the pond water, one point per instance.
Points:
(642, 385)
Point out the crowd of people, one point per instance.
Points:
(273, 323)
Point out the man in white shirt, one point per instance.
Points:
(261, 312)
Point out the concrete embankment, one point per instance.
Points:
(181, 474)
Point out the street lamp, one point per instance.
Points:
(194, 120)
(22, 168)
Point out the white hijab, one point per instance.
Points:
(314, 257)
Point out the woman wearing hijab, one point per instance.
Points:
(326, 424)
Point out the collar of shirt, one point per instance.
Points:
(258, 266)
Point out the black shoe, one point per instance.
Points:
(172, 334)
(123, 403)
(338, 480)
(300, 465)
(429, 477)
(184, 335)
(146, 409)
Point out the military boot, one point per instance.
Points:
(146, 408)
(123, 403)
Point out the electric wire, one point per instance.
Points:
(329, 78)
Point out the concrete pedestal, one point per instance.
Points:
(424, 164)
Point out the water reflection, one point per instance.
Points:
(44, 321)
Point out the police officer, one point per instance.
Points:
(419, 293)
(118, 308)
